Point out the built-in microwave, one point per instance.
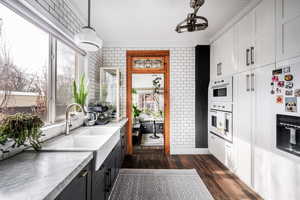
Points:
(221, 90)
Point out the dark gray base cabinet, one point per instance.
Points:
(80, 186)
(97, 185)
(104, 179)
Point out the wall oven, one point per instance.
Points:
(220, 120)
(221, 90)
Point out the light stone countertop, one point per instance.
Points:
(42, 175)
(39, 176)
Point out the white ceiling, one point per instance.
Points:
(151, 23)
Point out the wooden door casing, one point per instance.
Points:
(166, 71)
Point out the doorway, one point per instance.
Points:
(148, 100)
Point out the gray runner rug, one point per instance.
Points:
(159, 184)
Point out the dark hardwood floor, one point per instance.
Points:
(222, 184)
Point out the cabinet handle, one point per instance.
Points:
(247, 83)
(84, 173)
(252, 82)
(247, 57)
(219, 69)
(252, 55)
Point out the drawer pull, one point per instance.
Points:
(84, 173)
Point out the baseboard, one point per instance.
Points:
(188, 151)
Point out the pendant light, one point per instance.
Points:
(191, 23)
(87, 38)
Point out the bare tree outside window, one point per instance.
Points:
(23, 66)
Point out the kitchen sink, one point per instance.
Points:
(97, 131)
(99, 140)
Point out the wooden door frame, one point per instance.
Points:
(166, 71)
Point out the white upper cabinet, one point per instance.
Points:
(245, 34)
(223, 55)
(264, 52)
(228, 52)
(256, 37)
(288, 29)
(251, 42)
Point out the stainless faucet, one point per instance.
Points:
(68, 120)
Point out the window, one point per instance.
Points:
(65, 75)
(148, 63)
(24, 52)
(29, 79)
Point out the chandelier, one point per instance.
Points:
(193, 22)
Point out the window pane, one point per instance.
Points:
(148, 63)
(65, 75)
(24, 51)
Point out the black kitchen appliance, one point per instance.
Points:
(103, 112)
(288, 130)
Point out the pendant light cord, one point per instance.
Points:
(89, 13)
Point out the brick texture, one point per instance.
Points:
(182, 91)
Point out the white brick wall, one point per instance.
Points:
(182, 91)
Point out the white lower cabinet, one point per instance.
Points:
(229, 157)
(217, 147)
(252, 118)
(222, 150)
(262, 131)
(242, 121)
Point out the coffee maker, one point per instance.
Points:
(103, 113)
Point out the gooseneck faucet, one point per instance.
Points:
(68, 120)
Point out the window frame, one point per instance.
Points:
(54, 35)
(52, 77)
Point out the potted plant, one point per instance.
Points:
(136, 112)
(80, 92)
(18, 131)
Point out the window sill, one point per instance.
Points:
(56, 129)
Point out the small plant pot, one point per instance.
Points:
(9, 151)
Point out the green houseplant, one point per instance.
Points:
(80, 92)
(136, 111)
(20, 130)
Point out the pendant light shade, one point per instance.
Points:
(87, 38)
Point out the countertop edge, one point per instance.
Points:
(61, 186)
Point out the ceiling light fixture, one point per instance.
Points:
(87, 38)
(191, 23)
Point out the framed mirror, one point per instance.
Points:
(110, 89)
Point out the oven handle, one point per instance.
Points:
(227, 116)
(220, 86)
